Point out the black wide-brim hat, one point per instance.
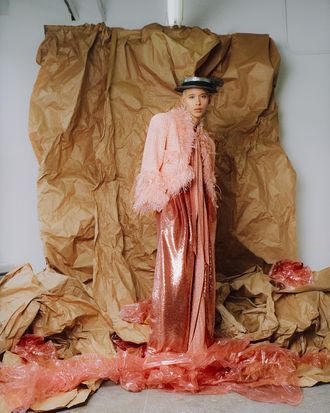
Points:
(207, 83)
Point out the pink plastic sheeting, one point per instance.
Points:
(137, 312)
(43, 375)
(262, 372)
(290, 274)
(34, 348)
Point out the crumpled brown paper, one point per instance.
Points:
(247, 307)
(250, 307)
(96, 91)
(52, 305)
(304, 315)
(59, 307)
(298, 318)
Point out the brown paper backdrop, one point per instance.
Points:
(96, 91)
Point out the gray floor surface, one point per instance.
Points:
(113, 399)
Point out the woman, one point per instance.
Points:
(177, 181)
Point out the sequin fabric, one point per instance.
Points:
(183, 298)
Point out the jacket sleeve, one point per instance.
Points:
(150, 189)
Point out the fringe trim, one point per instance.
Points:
(185, 128)
(186, 132)
(218, 195)
(180, 180)
(150, 192)
(209, 176)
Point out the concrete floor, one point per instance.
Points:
(113, 399)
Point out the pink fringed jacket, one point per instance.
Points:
(165, 169)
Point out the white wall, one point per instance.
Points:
(303, 94)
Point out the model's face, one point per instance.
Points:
(195, 101)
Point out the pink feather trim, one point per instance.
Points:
(150, 192)
(185, 128)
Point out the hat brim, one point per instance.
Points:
(208, 89)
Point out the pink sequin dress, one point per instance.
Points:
(183, 299)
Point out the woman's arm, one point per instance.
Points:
(150, 190)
